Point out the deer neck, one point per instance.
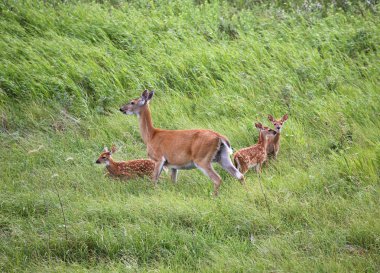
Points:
(146, 124)
(276, 138)
(263, 141)
(111, 165)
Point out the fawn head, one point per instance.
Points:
(106, 155)
(265, 131)
(278, 123)
(134, 106)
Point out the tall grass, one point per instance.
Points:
(66, 67)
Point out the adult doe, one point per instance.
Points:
(181, 149)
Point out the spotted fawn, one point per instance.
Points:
(254, 156)
(125, 169)
(274, 141)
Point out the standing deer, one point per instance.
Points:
(254, 156)
(274, 141)
(181, 149)
(125, 169)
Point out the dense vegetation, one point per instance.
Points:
(67, 66)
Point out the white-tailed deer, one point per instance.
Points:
(181, 149)
(274, 141)
(254, 156)
(125, 169)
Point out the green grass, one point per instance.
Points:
(66, 69)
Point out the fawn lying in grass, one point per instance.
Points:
(125, 169)
(274, 141)
(255, 155)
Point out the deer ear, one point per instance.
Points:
(113, 148)
(270, 117)
(285, 118)
(145, 94)
(150, 96)
(105, 149)
(259, 125)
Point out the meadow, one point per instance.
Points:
(67, 66)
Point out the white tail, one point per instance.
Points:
(181, 149)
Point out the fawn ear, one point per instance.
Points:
(259, 126)
(113, 148)
(270, 117)
(105, 149)
(285, 118)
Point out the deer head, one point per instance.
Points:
(265, 132)
(278, 123)
(106, 155)
(134, 106)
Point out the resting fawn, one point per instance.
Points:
(274, 141)
(125, 169)
(255, 155)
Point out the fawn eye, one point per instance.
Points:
(132, 103)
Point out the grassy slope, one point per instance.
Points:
(212, 66)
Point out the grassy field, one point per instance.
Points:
(67, 66)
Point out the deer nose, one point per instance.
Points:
(278, 127)
(121, 110)
(97, 161)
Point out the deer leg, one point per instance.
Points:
(243, 168)
(258, 168)
(209, 171)
(174, 175)
(158, 166)
(275, 152)
(265, 163)
(236, 163)
(226, 164)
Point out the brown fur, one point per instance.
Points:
(254, 156)
(179, 148)
(274, 141)
(126, 169)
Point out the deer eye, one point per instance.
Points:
(132, 103)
